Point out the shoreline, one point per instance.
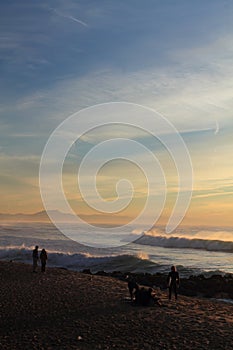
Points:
(64, 309)
(216, 286)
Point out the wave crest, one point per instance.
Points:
(81, 261)
(185, 243)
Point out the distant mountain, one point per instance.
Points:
(39, 216)
(42, 216)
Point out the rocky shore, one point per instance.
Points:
(62, 309)
(216, 286)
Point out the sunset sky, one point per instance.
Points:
(174, 56)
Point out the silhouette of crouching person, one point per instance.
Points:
(43, 259)
(146, 297)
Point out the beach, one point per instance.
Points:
(62, 309)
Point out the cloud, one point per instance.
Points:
(182, 83)
(207, 195)
(23, 167)
(189, 100)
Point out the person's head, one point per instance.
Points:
(36, 247)
(173, 268)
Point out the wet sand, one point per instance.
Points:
(62, 309)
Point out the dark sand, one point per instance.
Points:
(69, 310)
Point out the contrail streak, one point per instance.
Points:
(69, 17)
(77, 20)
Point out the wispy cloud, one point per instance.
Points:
(207, 195)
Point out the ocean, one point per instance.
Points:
(194, 250)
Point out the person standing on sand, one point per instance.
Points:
(35, 257)
(173, 281)
(43, 259)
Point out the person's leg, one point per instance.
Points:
(175, 291)
(131, 293)
(34, 265)
(170, 292)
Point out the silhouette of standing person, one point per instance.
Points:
(173, 281)
(43, 259)
(35, 257)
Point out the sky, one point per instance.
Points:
(173, 56)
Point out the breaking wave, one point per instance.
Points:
(185, 243)
(81, 261)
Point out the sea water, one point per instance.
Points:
(194, 250)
